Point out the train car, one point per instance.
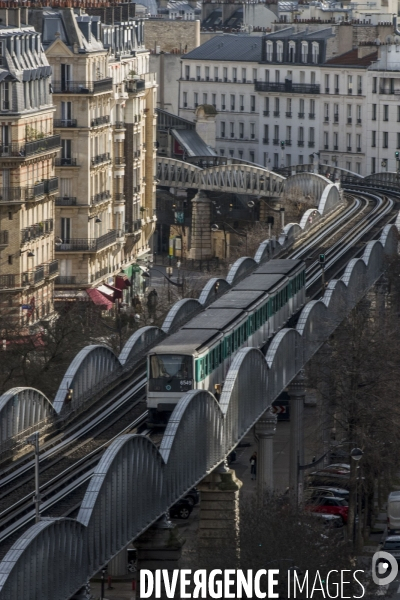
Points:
(199, 355)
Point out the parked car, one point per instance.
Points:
(193, 496)
(315, 492)
(329, 521)
(181, 509)
(329, 505)
(392, 546)
(393, 512)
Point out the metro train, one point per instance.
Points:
(199, 355)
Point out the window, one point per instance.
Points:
(348, 136)
(301, 158)
(349, 84)
(385, 139)
(205, 98)
(251, 155)
(326, 84)
(240, 152)
(223, 105)
(292, 52)
(225, 74)
(335, 141)
(349, 113)
(196, 99)
(185, 99)
(398, 113)
(359, 84)
(266, 135)
(254, 75)
(398, 141)
(198, 73)
(66, 112)
(266, 75)
(358, 142)
(265, 159)
(232, 129)
(315, 52)
(301, 134)
(386, 112)
(359, 119)
(304, 52)
(270, 49)
(243, 75)
(10, 259)
(288, 134)
(277, 76)
(222, 129)
(276, 160)
(348, 165)
(252, 103)
(232, 102)
(231, 152)
(276, 110)
(266, 106)
(374, 86)
(326, 112)
(216, 74)
(252, 131)
(241, 102)
(289, 107)
(234, 75)
(373, 159)
(65, 229)
(288, 160)
(279, 51)
(336, 84)
(312, 109)
(214, 100)
(222, 152)
(311, 133)
(326, 140)
(373, 139)
(66, 152)
(374, 112)
(301, 109)
(276, 134)
(10, 216)
(241, 130)
(312, 77)
(358, 168)
(207, 73)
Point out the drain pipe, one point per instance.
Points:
(396, 30)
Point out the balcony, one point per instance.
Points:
(83, 87)
(33, 277)
(119, 125)
(65, 280)
(100, 121)
(336, 119)
(288, 142)
(311, 144)
(37, 191)
(119, 160)
(66, 201)
(359, 91)
(136, 153)
(336, 147)
(66, 162)
(135, 86)
(265, 140)
(241, 108)
(65, 123)
(16, 151)
(301, 115)
(349, 120)
(119, 197)
(134, 227)
(311, 115)
(98, 274)
(349, 92)
(87, 244)
(336, 90)
(100, 197)
(326, 90)
(287, 86)
(348, 148)
(51, 185)
(275, 141)
(276, 113)
(300, 143)
(51, 268)
(289, 115)
(100, 159)
(266, 113)
(358, 149)
(359, 121)
(326, 119)
(326, 147)
(35, 231)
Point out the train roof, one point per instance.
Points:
(263, 282)
(186, 341)
(285, 266)
(238, 299)
(213, 318)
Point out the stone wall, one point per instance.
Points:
(170, 35)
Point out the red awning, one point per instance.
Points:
(110, 292)
(122, 282)
(98, 299)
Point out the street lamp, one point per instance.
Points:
(33, 440)
(103, 572)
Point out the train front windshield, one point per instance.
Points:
(171, 373)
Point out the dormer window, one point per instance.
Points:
(315, 52)
(304, 52)
(292, 52)
(279, 51)
(270, 48)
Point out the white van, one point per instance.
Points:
(393, 512)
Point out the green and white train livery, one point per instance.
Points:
(199, 355)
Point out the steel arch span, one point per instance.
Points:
(232, 177)
(134, 483)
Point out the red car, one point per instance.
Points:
(330, 506)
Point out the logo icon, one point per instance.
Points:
(381, 561)
(168, 388)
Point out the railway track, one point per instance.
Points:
(63, 477)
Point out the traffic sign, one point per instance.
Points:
(278, 409)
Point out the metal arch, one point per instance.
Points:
(54, 557)
(117, 497)
(210, 293)
(240, 268)
(329, 200)
(355, 277)
(284, 359)
(264, 252)
(91, 367)
(110, 517)
(390, 237)
(180, 313)
(233, 176)
(139, 342)
(308, 183)
(21, 409)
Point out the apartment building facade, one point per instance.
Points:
(28, 184)
(301, 95)
(104, 97)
